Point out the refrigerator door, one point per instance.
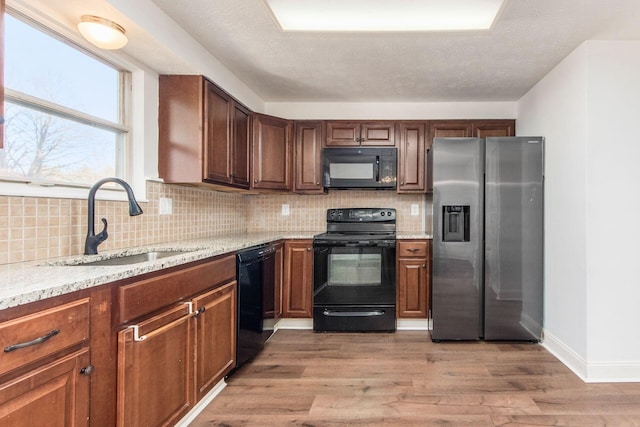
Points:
(513, 238)
(457, 238)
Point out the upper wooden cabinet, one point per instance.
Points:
(271, 153)
(485, 128)
(350, 133)
(307, 157)
(470, 128)
(204, 134)
(411, 157)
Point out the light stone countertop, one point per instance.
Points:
(22, 283)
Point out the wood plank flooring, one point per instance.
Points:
(303, 378)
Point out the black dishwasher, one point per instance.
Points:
(256, 292)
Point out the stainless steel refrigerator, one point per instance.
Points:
(487, 238)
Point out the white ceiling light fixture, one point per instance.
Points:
(385, 15)
(102, 32)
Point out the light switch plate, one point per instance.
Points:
(285, 210)
(165, 206)
(415, 209)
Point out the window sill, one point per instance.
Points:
(22, 188)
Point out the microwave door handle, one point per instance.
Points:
(377, 168)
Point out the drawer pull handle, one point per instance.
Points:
(413, 250)
(32, 342)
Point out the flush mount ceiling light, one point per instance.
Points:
(102, 32)
(385, 15)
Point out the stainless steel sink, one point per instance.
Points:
(133, 258)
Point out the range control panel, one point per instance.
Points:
(361, 215)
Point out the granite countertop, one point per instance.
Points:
(22, 283)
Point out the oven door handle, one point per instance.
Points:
(336, 313)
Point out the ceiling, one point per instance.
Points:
(528, 39)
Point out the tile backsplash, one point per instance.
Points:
(308, 213)
(34, 228)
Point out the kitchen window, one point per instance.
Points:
(65, 110)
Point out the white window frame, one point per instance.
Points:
(131, 150)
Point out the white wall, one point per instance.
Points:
(613, 207)
(392, 110)
(585, 108)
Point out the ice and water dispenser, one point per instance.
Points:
(455, 223)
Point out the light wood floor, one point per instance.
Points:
(403, 379)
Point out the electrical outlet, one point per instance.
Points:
(165, 206)
(285, 210)
(415, 209)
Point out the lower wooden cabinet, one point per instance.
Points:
(169, 358)
(413, 278)
(53, 395)
(297, 292)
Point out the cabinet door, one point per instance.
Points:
(218, 109)
(412, 288)
(307, 158)
(298, 279)
(55, 395)
(378, 133)
(215, 336)
(240, 153)
(485, 128)
(271, 167)
(180, 128)
(342, 134)
(155, 370)
(412, 160)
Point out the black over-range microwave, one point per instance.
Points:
(360, 168)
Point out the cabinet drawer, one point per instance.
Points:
(148, 295)
(33, 337)
(413, 249)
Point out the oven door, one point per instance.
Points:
(354, 287)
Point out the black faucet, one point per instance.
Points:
(92, 241)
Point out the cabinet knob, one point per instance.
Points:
(424, 265)
(402, 183)
(308, 249)
(199, 311)
(255, 181)
(87, 370)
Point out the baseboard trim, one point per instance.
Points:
(413, 325)
(401, 324)
(591, 372)
(199, 407)
(294, 324)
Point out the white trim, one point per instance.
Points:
(565, 354)
(294, 324)
(592, 372)
(413, 325)
(201, 405)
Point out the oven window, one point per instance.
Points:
(351, 171)
(355, 269)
